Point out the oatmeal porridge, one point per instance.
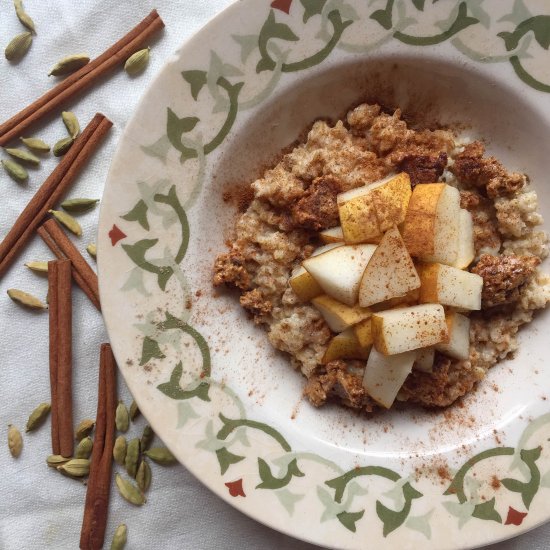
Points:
(334, 331)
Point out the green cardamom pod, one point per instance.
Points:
(56, 460)
(15, 170)
(122, 420)
(36, 144)
(38, 416)
(143, 476)
(134, 410)
(119, 538)
(78, 205)
(23, 155)
(71, 123)
(132, 457)
(161, 455)
(41, 267)
(25, 299)
(119, 450)
(18, 46)
(92, 250)
(15, 441)
(137, 62)
(68, 221)
(62, 146)
(129, 491)
(147, 437)
(84, 429)
(76, 467)
(69, 64)
(23, 16)
(84, 448)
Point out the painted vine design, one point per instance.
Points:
(339, 493)
(340, 16)
(527, 489)
(222, 438)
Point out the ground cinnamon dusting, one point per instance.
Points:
(444, 474)
(240, 195)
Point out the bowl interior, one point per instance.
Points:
(430, 93)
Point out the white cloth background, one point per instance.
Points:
(38, 508)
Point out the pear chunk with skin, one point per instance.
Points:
(431, 228)
(466, 249)
(367, 212)
(385, 374)
(403, 329)
(424, 361)
(390, 272)
(458, 345)
(332, 235)
(450, 286)
(339, 270)
(410, 299)
(337, 315)
(304, 285)
(357, 213)
(345, 346)
(392, 200)
(363, 332)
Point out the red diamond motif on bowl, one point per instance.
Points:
(236, 488)
(514, 517)
(116, 235)
(283, 5)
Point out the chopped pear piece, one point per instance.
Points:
(367, 212)
(339, 270)
(450, 286)
(392, 200)
(357, 213)
(337, 315)
(466, 249)
(390, 272)
(363, 332)
(458, 345)
(345, 346)
(408, 328)
(424, 361)
(332, 235)
(385, 374)
(431, 228)
(304, 285)
(410, 299)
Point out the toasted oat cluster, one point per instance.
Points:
(391, 264)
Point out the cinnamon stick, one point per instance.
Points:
(99, 483)
(63, 248)
(82, 79)
(64, 361)
(52, 189)
(59, 287)
(53, 322)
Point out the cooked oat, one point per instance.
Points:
(297, 198)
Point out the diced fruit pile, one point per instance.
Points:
(392, 280)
